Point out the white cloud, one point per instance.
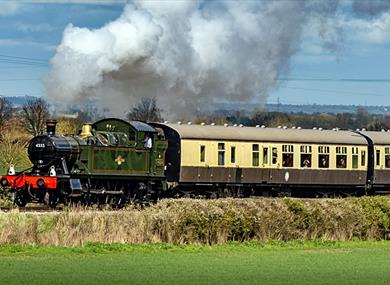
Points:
(28, 28)
(23, 42)
(8, 7)
(374, 31)
(11, 7)
(93, 2)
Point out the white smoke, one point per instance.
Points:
(187, 54)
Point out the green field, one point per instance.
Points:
(272, 263)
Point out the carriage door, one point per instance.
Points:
(265, 164)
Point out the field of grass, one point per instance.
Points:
(353, 262)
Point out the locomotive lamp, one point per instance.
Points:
(40, 183)
(4, 182)
(11, 170)
(52, 171)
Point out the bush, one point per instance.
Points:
(187, 221)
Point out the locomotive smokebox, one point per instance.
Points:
(51, 127)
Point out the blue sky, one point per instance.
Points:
(357, 72)
(34, 30)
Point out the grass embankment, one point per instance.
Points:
(205, 222)
(250, 263)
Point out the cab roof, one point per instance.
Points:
(121, 125)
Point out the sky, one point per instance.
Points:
(346, 62)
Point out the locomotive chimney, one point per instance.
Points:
(51, 127)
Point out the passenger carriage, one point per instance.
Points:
(258, 160)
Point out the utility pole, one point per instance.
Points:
(278, 104)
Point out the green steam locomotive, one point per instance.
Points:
(111, 161)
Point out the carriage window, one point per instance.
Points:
(363, 157)
(221, 154)
(387, 157)
(233, 154)
(355, 161)
(323, 161)
(274, 155)
(305, 148)
(288, 155)
(341, 157)
(341, 161)
(255, 155)
(323, 149)
(265, 155)
(305, 156)
(323, 156)
(305, 160)
(202, 153)
(288, 160)
(378, 157)
(355, 157)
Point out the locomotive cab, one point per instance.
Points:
(120, 148)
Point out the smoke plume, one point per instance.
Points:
(187, 54)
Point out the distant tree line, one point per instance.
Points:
(32, 115)
(357, 120)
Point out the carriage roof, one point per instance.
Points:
(226, 133)
(381, 138)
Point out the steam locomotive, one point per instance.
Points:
(105, 163)
(109, 162)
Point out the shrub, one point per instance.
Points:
(186, 221)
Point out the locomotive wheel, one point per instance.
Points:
(20, 199)
(53, 200)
